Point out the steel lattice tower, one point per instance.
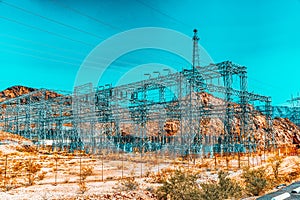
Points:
(196, 57)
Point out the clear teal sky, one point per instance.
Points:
(43, 42)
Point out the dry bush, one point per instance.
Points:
(274, 163)
(82, 187)
(86, 171)
(17, 167)
(160, 176)
(224, 188)
(10, 183)
(128, 183)
(31, 167)
(294, 174)
(42, 175)
(255, 180)
(180, 185)
(148, 170)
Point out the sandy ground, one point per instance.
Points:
(69, 191)
(62, 173)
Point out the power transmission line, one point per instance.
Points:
(51, 20)
(89, 64)
(46, 31)
(50, 59)
(39, 51)
(39, 57)
(94, 62)
(164, 14)
(41, 44)
(85, 15)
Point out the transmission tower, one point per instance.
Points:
(196, 58)
(295, 104)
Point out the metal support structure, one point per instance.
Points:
(173, 114)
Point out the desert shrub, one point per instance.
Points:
(296, 170)
(274, 163)
(17, 166)
(129, 183)
(86, 171)
(224, 188)
(10, 183)
(160, 176)
(82, 187)
(292, 175)
(255, 180)
(31, 168)
(42, 175)
(179, 186)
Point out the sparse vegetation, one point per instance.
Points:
(86, 171)
(180, 186)
(31, 167)
(255, 180)
(275, 163)
(224, 188)
(42, 175)
(82, 187)
(128, 183)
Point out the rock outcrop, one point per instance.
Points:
(16, 91)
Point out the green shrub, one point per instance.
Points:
(32, 168)
(129, 183)
(180, 186)
(275, 163)
(225, 188)
(255, 180)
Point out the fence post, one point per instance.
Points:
(80, 169)
(56, 159)
(122, 164)
(28, 169)
(5, 171)
(102, 167)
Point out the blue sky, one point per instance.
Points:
(44, 42)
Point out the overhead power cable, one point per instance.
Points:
(39, 57)
(164, 14)
(50, 59)
(51, 20)
(72, 58)
(46, 31)
(62, 59)
(42, 44)
(59, 3)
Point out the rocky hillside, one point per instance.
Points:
(284, 131)
(16, 91)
